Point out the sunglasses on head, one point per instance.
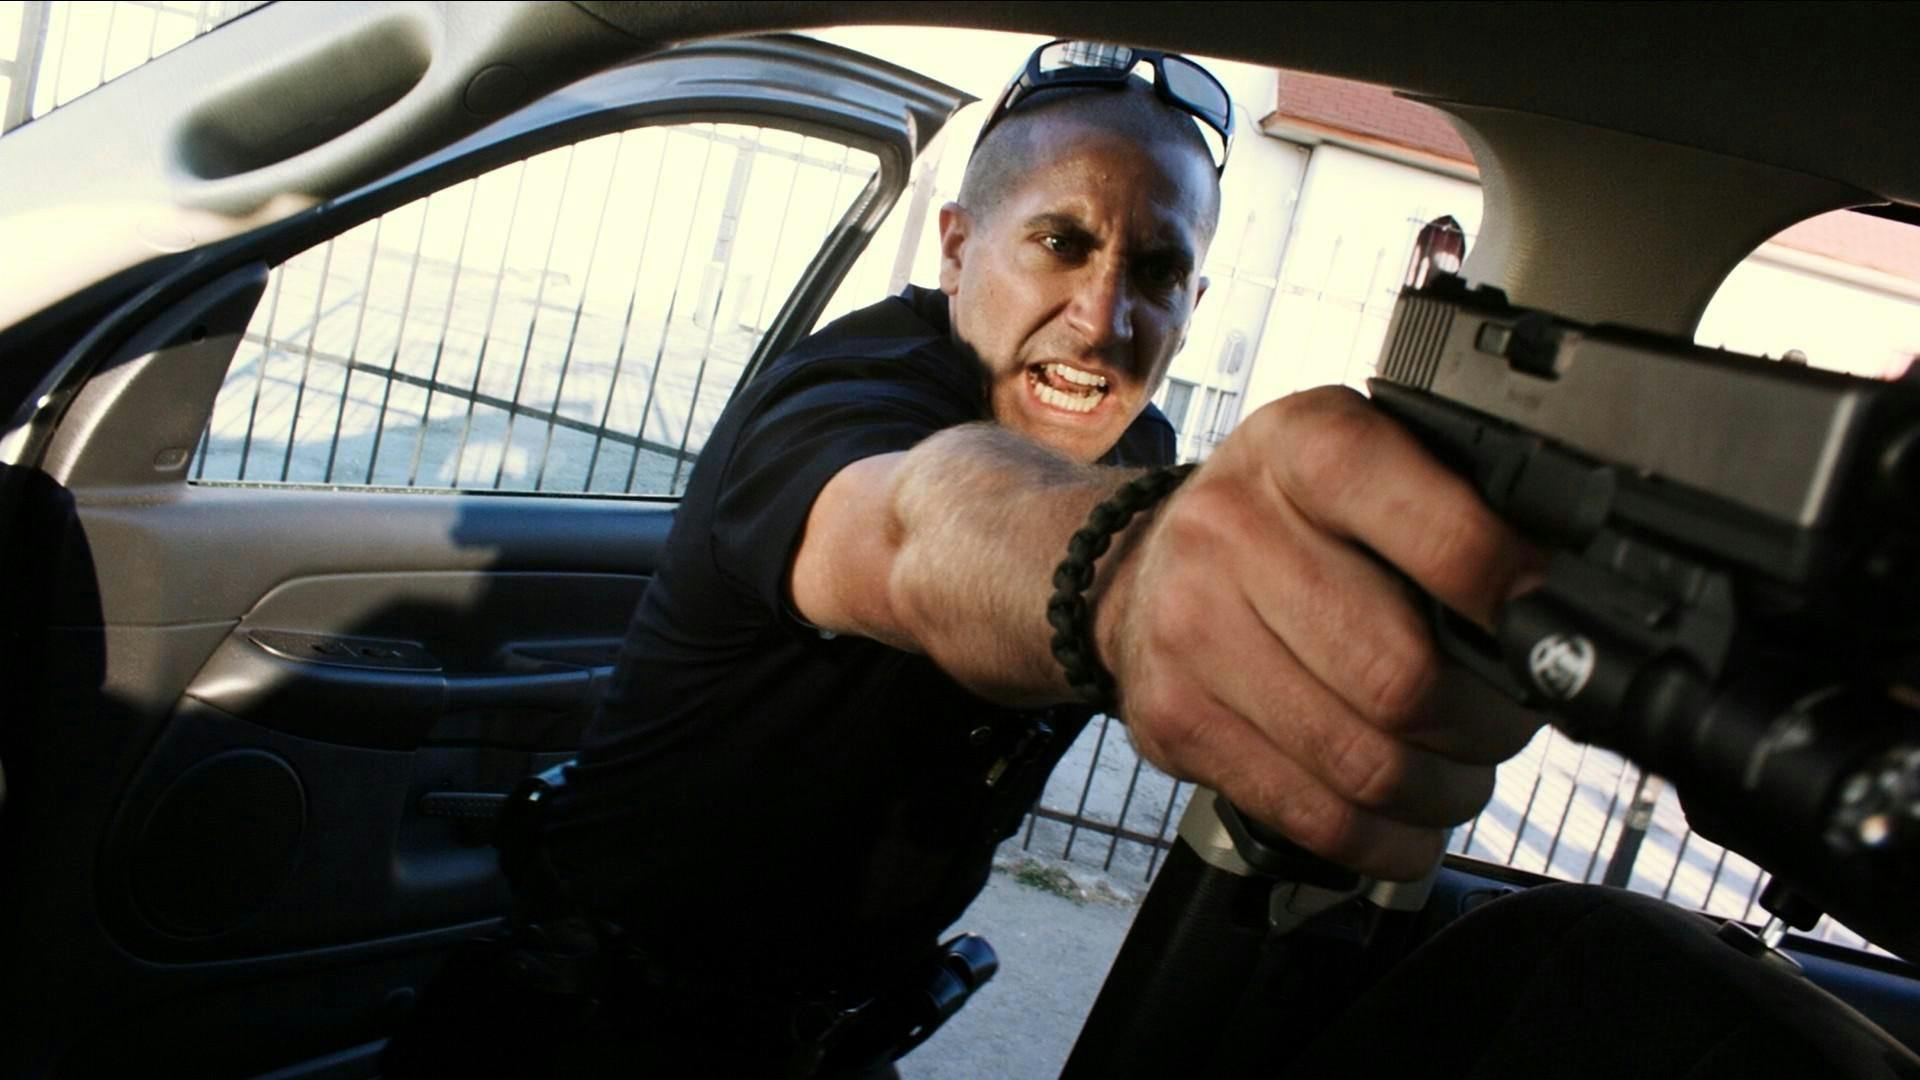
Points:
(1177, 80)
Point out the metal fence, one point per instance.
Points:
(1559, 808)
(572, 323)
(53, 52)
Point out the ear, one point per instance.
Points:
(955, 224)
(1199, 292)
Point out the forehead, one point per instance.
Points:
(1099, 172)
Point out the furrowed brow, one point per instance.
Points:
(1065, 224)
(1174, 251)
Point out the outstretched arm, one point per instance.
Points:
(948, 549)
(1259, 645)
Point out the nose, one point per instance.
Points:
(1101, 308)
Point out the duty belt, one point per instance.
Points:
(557, 947)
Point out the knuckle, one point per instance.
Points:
(1199, 513)
(1371, 770)
(1455, 547)
(1399, 680)
(1167, 736)
(1332, 447)
(1332, 829)
(1177, 621)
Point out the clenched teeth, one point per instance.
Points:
(1060, 399)
(1075, 375)
(1078, 391)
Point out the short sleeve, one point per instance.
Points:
(810, 422)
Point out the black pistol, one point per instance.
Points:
(1733, 594)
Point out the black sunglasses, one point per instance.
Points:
(1177, 80)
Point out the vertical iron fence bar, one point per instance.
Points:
(493, 309)
(1153, 859)
(36, 17)
(533, 319)
(353, 345)
(1086, 789)
(206, 444)
(1520, 831)
(626, 324)
(1714, 882)
(259, 384)
(626, 321)
(1753, 894)
(786, 217)
(726, 273)
(573, 331)
(446, 327)
(673, 304)
(1634, 825)
(1366, 361)
(106, 43)
(153, 30)
(306, 363)
(1613, 803)
(1126, 804)
(1466, 846)
(1678, 858)
(399, 343)
(1566, 809)
(841, 172)
(60, 58)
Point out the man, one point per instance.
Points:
(841, 690)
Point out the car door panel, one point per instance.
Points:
(273, 723)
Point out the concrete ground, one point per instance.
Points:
(1054, 954)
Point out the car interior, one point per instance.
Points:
(254, 735)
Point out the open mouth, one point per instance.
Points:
(1067, 388)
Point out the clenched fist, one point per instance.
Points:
(1264, 645)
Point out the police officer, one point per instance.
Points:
(857, 664)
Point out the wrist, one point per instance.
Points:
(1095, 573)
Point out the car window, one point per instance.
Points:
(1839, 291)
(573, 322)
(52, 53)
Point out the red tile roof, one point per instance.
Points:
(1363, 109)
(1891, 247)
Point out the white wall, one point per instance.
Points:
(1357, 221)
(1257, 201)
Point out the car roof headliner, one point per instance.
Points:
(1821, 89)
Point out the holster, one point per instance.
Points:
(893, 1024)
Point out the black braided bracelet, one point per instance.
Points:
(1068, 612)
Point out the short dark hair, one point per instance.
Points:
(1003, 158)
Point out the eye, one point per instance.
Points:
(1066, 247)
(1164, 275)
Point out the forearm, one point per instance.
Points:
(978, 519)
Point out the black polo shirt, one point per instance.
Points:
(756, 794)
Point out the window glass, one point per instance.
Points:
(52, 53)
(1175, 401)
(573, 322)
